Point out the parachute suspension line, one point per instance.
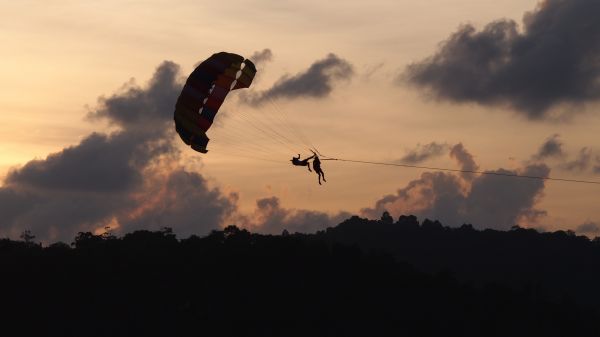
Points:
(246, 148)
(235, 135)
(240, 147)
(223, 144)
(288, 124)
(226, 146)
(268, 133)
(248, 121)
(229, 141)
(273, 131)
(282, 114)
(285, 117)
(319, 153)
(262, 127)
(230, 136)
(263, 133)
(244, 155)
(277, 123)
(464, 171)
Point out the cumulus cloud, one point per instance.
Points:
(262, 56)
(424, 152)
(552, 147)
(269, 217)
(179, 199)
(316, 82)
(465, 160)
(125, 178)
(101, 162)
(143, 110)
(581, 163)
(487, 201)
(553, 61)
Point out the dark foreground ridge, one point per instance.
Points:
(347, 281)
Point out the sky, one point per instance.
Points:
(87, 91)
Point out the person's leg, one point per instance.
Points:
(323, 173)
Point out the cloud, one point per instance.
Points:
(581, 163)
(260, 57)
(424, 152)
(553, 61)
(102, 163)
(465, 160)
(131, 179)
(500, 202)
(143, 110)
(269, 217)
(552, 147)
(588, 228)
(316, 82)
(127, 178)
(487, 201)
(181, 200)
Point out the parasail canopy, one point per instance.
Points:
(204, 93)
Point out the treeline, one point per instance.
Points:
(236, 283)
(560, 264)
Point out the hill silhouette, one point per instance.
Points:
(559, 263)
(361, 278)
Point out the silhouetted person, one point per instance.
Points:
(304, 162)
(317, 167)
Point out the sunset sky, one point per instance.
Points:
(507, 86)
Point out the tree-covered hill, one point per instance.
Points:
(558, 263)
(351, 280)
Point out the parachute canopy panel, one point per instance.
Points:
(205, 91)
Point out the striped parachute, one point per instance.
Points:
(204, 92)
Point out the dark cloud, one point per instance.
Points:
(588, 228)
(424, 152)
(465, 160)
(102, 163)
(553, 61)
(581, 163)
(500, 202)
(181, 200)
(113, 162)
(552, 147)
(269, 217)
(144, 109)
(316, 82)
(487, 201)
(260, 57)
(124, 179)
